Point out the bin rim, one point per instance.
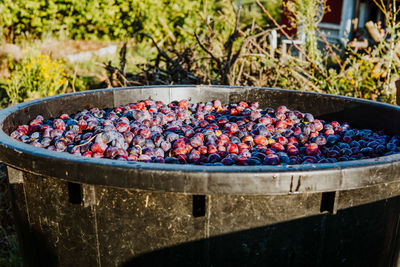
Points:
(70, 167)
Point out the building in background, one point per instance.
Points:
(345, 21)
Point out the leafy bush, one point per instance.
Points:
(36, 76)
(245, 57)
(115, 19)
(365, 74)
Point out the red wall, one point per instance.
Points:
(335, 14)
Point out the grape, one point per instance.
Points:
(209, 133)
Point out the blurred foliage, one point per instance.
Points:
(307, 14)
(36, 76)
(367, 73)
(250, 11)
(211, 40)
(168, 21)
(246, 57)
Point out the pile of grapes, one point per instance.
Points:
(205, 133)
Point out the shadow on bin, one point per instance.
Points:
(359, 236)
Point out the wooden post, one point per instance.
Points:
(356, 15)
(373, 31)
(273, 40)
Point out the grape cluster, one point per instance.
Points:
(209, 133)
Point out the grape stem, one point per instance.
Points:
(90, 140)
(140, 149)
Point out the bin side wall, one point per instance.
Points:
(52, 231)
(111, 226)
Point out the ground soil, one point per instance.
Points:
(61, 49)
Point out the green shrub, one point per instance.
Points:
(165, 20)
(245, 57)
(36, 76)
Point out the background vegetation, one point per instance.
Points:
(168, 21)
(246, 57)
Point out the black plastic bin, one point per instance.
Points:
(76, 211)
